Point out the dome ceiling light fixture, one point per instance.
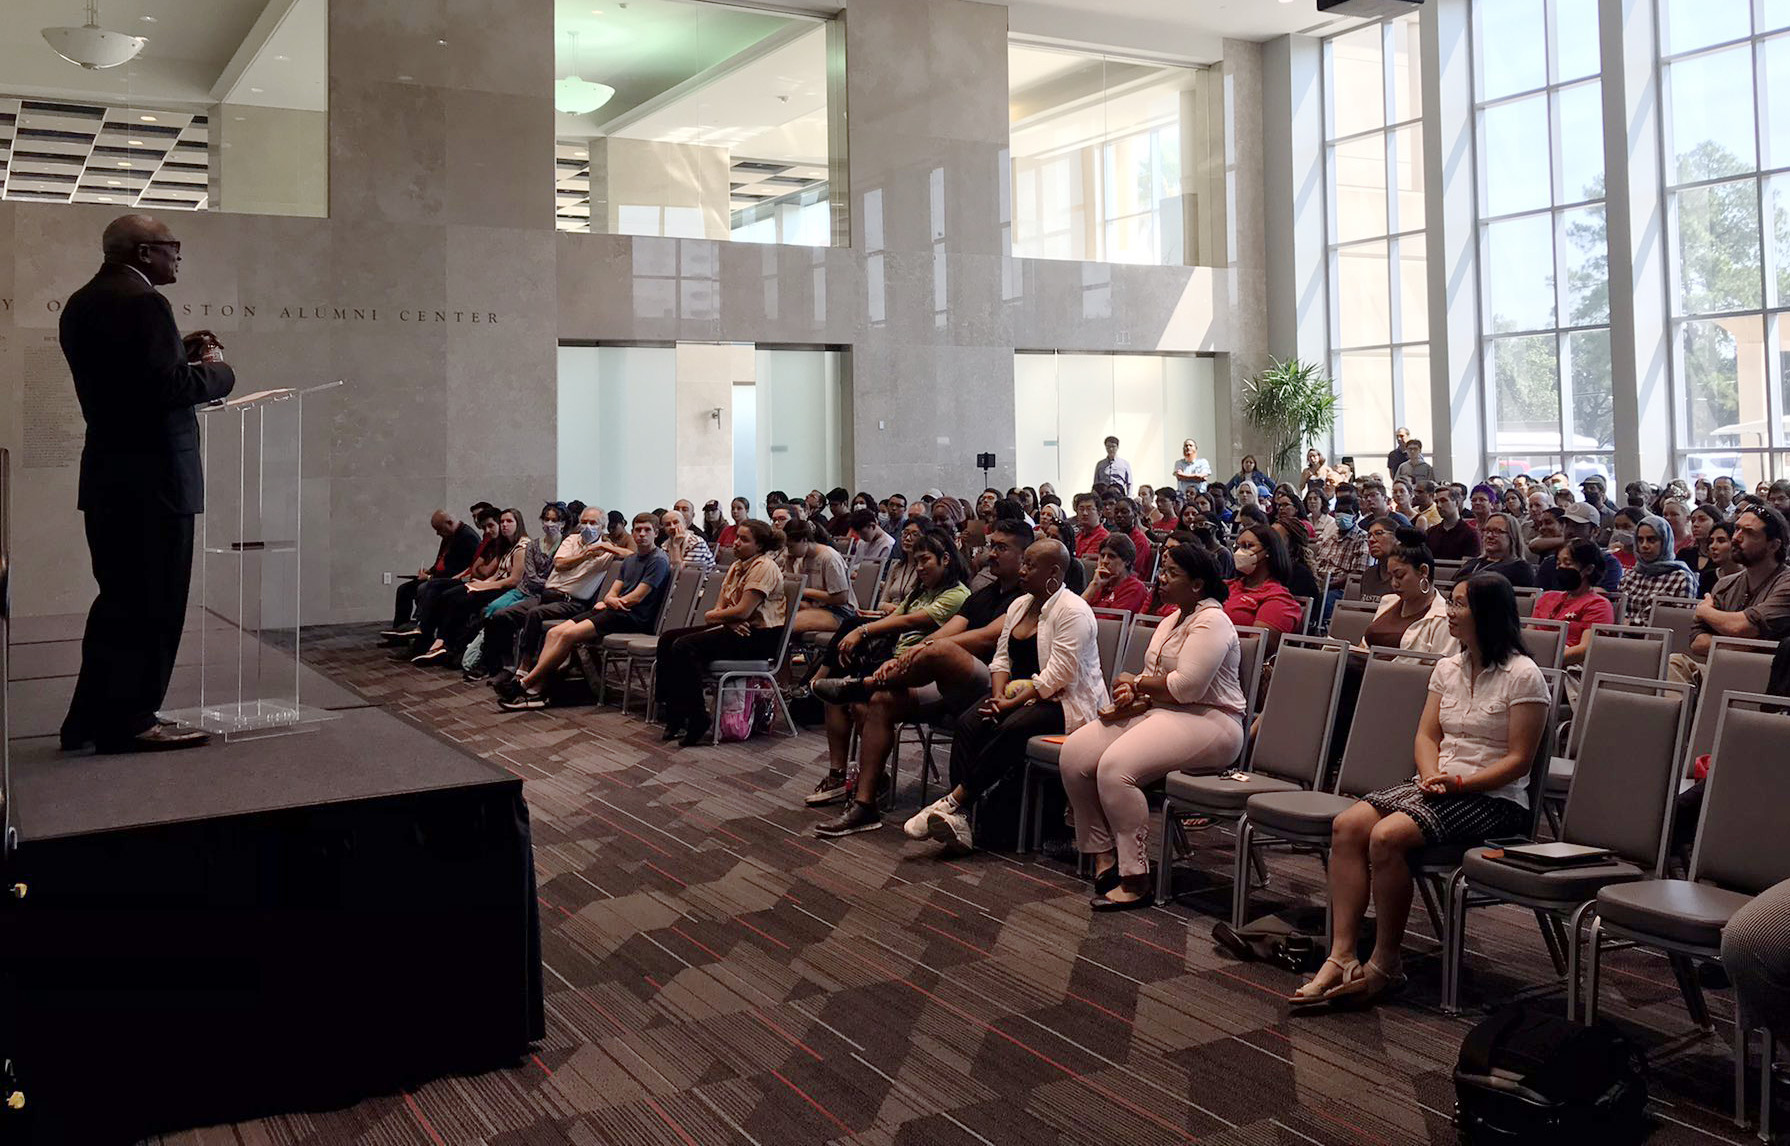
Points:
(91, 46)
(576, 96)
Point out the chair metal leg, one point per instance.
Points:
(1260, 867)
(1434, 909)
(1574, 923)
(1454, 944)
(1742, 1035)
(1551, 810)
(1550, 937)
(1595, 948)
(1240, 876)
(1028, 781)
(1686, 973)
(1768, 1052)
(1165, 864)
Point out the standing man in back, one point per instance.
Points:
(141, 483)
(1112, 469)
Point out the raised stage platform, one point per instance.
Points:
(258, 926)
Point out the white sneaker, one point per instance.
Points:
(951, 828)
(920, 826)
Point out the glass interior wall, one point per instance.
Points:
(1065, 405)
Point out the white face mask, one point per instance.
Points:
(1245, 560)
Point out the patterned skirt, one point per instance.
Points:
(1465, 819)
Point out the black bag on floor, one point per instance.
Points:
(1532, 1077)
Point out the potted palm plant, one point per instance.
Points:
(1291, 404)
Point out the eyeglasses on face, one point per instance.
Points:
(172, 244)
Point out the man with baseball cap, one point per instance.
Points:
(1582, 521)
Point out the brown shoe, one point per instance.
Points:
(159, 738)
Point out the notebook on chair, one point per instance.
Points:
(1549, 856)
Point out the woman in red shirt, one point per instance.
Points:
(1258, 594)
(1114, 585)
(1578, 570)
(739, 508)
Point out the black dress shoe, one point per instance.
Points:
(75, 741)
(1107, 880)
(1102, 903)
(158, 738)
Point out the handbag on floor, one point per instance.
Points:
(1536, 1078)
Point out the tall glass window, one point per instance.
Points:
(1379, 306)
(1098, 148)
(1543, 253)
(1727, 159)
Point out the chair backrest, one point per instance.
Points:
(1618, 602)
(1545, 641)
(1293, 740)
(1741, 841)
(1382, 745)
(724, 557)
(1352, 587)
(1735, 664)
(1448, 571)
(793, 584)
(1137, 642)
(711, 596)
(1088, 566)
(1676, 615)
(1526, 595)
(1109, 638)
(1350, 619)
(674, 610)
(1537, 787)
(1625, 781)
(1252, 647)
(1620, 650)
(866, 576)
(842, 544)
(1305, 614)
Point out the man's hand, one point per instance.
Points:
(600, 606)
(1706, 609)
(202, 346)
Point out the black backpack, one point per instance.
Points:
(1533, 1077)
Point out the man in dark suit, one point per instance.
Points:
(141, 483)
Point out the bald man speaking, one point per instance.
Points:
(141, 484)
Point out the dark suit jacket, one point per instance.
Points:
(137, 393)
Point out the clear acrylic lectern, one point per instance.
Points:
(250, 563)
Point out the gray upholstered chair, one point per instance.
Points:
(737, 672)
(866, 579)
(1623, 793)
(1307, 614)
(1137, 642)
(617, 652)
(1676, 615)
(1380, 752)
(1741, 849)
(1288, 753)
(642, 649)
(1350, 619)
(1734, 664)
(1447, 571)
(1526, 598)
(1545, 641)
(1619, 650)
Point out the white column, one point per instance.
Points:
(1293, 193)
(1459, 396)
(1636, 221)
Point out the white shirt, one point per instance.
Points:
(873, 551)
(1428, 633)
(1476, 715)
(1068, 656)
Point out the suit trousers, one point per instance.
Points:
(143, 562)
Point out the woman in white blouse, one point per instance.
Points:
(1474, 748)
(1046, 681)
(1183, 713)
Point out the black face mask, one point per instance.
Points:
(1568, 580)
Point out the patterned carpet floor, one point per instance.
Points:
(716, 974)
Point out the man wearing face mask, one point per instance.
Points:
(1341, 553)
(579, 563)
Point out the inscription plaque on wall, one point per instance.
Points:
(51, 428)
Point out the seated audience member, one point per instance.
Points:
(838, 512)
(1754, 602)
(1453, 537)
(1539, 541)
(1115, 584)
(1497, 539)
(940, 593)
(1777, 495)
(1183, 712)
(513, 633)
(449, 611)
(1289, 510)
(816, 502)
(1594, 489)
(1578, 570)
(946, 515)
(712, 523)
(1046, 680)
(1482, 502)
(1375, 504)
(902, 576)
(1249, 500)
(1475, 745)
(1382, 539)
(1555, 529)
(1258, 594)
(1700, 558)
(1317, 513)
(1249, 474)
(739, 509)
(1620, 541)
(1401, 501)
(1656, 573)
(870, 542)
(1168, 512)
(826, 600)
(1424, 514)
(683, 545)
(537, 566)
(459, 542)
(985, 502)
(1515, 502)
(1414, 469)
(1414, 616)
(1580, 520)
(1124, 523)
(1089, 533)
(745, 624)
(947, 671)
(1302, 579)
(1341, 553)
(631, 605)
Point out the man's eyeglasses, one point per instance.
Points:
(171, 244)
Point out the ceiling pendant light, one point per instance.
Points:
(91, 46)
(576, 96)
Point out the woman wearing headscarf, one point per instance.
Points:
(1656, 573)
